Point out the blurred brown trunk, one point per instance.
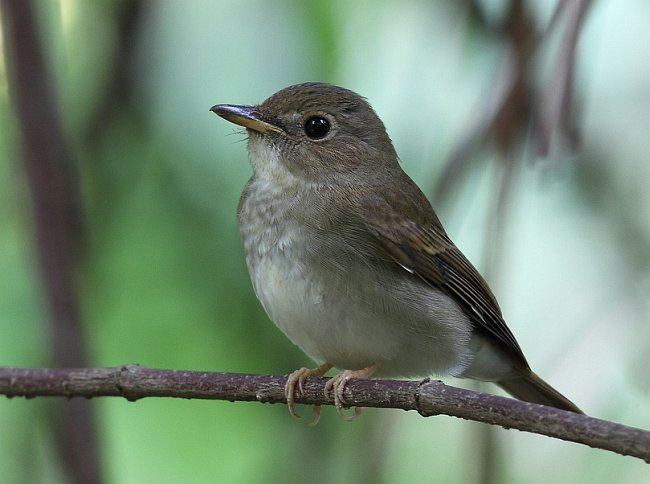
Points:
(57, 212)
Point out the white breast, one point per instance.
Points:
(349, 319)
(343, 311)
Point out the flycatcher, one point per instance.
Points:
(350, 261)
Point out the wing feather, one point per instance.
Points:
(428, 252)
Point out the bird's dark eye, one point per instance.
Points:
(317, 127)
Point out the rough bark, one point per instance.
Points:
(428, 397)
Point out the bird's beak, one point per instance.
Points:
(247, 116)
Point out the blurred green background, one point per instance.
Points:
(163, 281)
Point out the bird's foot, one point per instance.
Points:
(298, 378)
(337, 386)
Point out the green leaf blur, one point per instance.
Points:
(164, 284)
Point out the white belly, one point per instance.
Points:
(352, 322)
(334, 305)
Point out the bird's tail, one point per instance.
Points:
(531, 388)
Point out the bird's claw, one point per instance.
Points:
(336, 385)
(297, 378)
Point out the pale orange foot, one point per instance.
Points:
(298, 377)
(337, 385)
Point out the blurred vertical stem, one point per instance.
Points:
(555, 113)
(321, 22)
(114, 104)
(57, 211)
(117, 91)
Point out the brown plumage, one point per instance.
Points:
(429, 253)
(349, 259)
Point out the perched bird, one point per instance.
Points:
(349, 259)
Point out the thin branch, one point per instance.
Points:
(428, 397)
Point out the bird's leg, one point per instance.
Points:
(337, 385)
(298, 377)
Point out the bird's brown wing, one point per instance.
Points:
(428, 252)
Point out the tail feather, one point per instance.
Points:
(531, 388)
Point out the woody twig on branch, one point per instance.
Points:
(427, 397)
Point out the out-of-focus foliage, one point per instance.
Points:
(164, 283)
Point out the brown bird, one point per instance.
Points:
(349, 259)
